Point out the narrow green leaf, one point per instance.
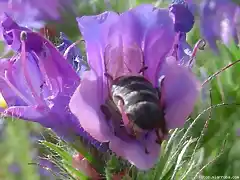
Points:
(66, 159)
(180, 158)
(61, 152)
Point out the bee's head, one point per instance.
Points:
(146, 115)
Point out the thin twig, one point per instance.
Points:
(220, 71)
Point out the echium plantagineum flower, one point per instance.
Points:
(182, 15)
(73, 55)
(219, 20)
(33, 13)
(37, 82)
(118, 44)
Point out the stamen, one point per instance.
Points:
(47, 81)
(14, 89)
(41, 90)
(175, 46)
(159, 139)
(24, 64)
(70, 47)
(200, 45)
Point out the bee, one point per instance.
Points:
(133, 102)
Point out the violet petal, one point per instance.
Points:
(159, 32)
(134, 152)
(180, 91)
(87, 97)
(95, 30)
(217, 21)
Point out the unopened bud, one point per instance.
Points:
(202, 44)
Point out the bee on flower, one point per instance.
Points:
(138, 86)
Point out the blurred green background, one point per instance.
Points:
(215, 137)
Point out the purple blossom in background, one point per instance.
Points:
(183, 17)
(51, 9)
(183, 22)
(191, 4)
(33, 13)
(116, 41)
(48, 169)
(74, 56)
(14, 168)
(45, 167)
(218, 21)
(238, 132)
(37, 82)
(184, 50)
(25, 15)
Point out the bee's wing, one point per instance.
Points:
(122, 58)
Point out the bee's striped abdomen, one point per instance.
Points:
(133, 89)
(141, 100)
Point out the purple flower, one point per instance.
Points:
(25, 15)
(182, 16)
(191, 4)
(184, 50)
(119, 42)
(74, 55)
(218, 20)
(51, 8)
(14, 168)
(32, 13)
(37, 82)
(47, 168)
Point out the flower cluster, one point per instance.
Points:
(143, 33)
(117, 44)
(51, 85)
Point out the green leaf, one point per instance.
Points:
(66, 160)
(180, 157)
(61, 152)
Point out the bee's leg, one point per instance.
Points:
(160, 91)
(159, 138)
(105, 110)
(144, 141)
(108, 115)
(109, 81)
(108, 76)
(144, 144)
(142, 70)
(111, 113)
(124, 115)
(146, 150)
(126, 122)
